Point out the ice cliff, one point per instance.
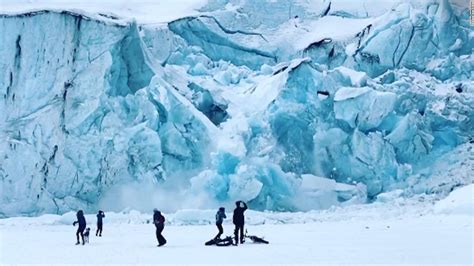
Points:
(289, 105)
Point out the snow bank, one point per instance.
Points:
(460, 201)
(403, 207)
(142, 10)
(332, 27)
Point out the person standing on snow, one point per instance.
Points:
(220, 216)
(81, 220)
(239, 221)
(159, 221)
(100, 216)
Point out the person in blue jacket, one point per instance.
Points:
(100, 223)
(81, 220)
(220, 216)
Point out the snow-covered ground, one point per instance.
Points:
(415, 231)
(433, 239)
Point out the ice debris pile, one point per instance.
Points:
(289, 105)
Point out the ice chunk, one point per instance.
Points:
(216, 45)
(363, 107)
(410, 139)
(357, 78)
(244, 187)
(411, 31)
(350, 93)
(390, 196)
(323, 192)
(198, 70)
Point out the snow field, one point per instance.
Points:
(404, 231)
(433, 239)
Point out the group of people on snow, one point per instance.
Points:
(81, 221)
(159, 221)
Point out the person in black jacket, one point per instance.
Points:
(239, 221)
(220, 216)
(159, 221)
(100, 216)
(81, 220)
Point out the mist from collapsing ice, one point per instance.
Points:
(304, 106)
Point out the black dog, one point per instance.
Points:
(86, 235)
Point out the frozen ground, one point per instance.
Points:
(423, 240)
(406, 232)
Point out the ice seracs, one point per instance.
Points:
(228, 102)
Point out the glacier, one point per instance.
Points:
(307, 105)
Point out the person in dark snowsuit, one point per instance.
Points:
(220, 216)
(239, 221)
(159, 221)
(81, 220)
(100, 223)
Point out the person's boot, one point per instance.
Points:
(78, 243)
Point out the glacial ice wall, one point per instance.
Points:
(283, 108)
(82, 111)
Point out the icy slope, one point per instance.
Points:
(307, 105)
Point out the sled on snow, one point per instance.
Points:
(256, 239)
(220, 242)
(227, 241)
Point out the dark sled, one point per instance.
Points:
(220, 242)
(256, 239)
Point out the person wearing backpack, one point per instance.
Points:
(220, 216)
(159, 221)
